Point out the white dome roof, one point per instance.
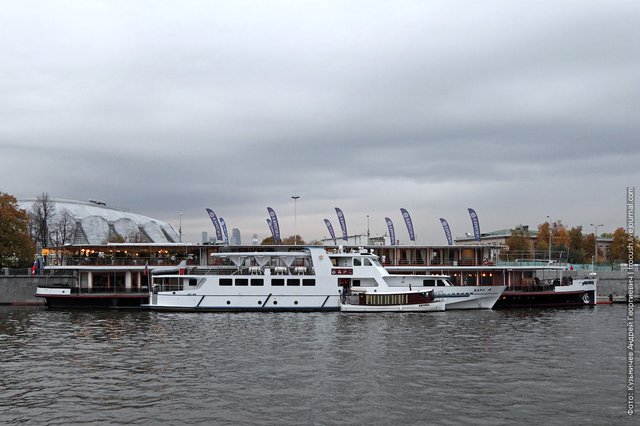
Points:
(97, 223)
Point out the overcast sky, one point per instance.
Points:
(517, 109)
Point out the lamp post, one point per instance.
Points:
(549, 222)
(180, 228)
(595, 244)
(368, 232)
(295, 219)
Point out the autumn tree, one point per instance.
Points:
(560, 236)
(620, 246)
(16, 247)
(269, 241)
(291, 240)
(542, 242)
(518, 243)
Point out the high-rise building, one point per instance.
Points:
(236, 240)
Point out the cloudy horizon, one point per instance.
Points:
(520, 111)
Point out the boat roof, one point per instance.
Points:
(262, 254)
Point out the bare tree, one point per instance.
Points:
(41, 217)
(63, 229)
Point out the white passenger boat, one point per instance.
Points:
(455, 297)
(405, 301)
(306, 279)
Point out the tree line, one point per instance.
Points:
(23, 233)
(575, 246)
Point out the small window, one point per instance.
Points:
(193, 282)
(356, 262)
(293, 281)
(309, 282)
(441, 283)
(429, 283)
(355, 283)
(242, 281)
(257, 281)
(277, 281)
(366, 262)
(225, 281)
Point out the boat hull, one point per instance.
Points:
(246, 303)
(423, 307)
(542, 299)
(64, 298)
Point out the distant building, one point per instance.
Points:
(97, 223)
(357, 240)
(500, 236)
(236, 239)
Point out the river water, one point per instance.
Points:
(455, 367)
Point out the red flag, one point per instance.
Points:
(34, 268)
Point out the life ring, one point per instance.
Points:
(586, 299)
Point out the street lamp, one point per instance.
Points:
(295, 219)
(549, 222)
(180, 228)
(368, 232)
(595, 243)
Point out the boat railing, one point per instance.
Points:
(528, 287)
(254, 270)
(102, 289)
(108, 260)
(405, 261)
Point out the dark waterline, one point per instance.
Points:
(470, 367)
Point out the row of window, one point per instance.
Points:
(260, 281)
(433, 283)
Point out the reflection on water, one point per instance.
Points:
(480, 367)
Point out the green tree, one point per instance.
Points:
(588, 245)
(576, 250)
(16, 247)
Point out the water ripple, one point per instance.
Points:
(477, 367)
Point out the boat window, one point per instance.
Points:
(293, 281)
(309, 282)
(366, 262)
(441, 283)
(225, 281)
(429, 283)
(356, 262)
(193, 282)
(277, 281)
(242, 281)
(355, 283)
(375, 262)
(257, 281)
